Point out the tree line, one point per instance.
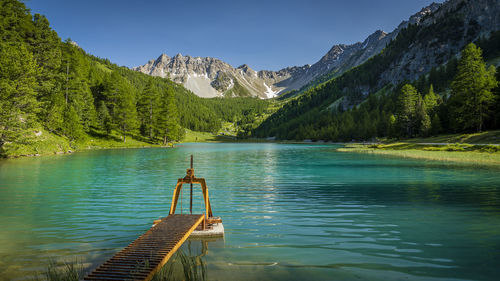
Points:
(50, 84)
(468, 100)
(362, 102)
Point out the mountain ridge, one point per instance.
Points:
(200, 74)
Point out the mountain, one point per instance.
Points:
(343, 57)
(211, 77)
(424, 52)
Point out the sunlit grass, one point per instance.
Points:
(488, 137)
(38, 142)
(193, 136)
(487, 154)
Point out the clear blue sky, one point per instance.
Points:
(263, 34)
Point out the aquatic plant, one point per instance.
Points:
(182, 267)
(72, 271)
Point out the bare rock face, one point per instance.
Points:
(464, 22)
(211, 77)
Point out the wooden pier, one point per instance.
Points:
(147, 254)
(150, 252)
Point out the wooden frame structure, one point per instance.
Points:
(190, 178)
(147, 254)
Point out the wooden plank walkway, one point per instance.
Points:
(147, 254)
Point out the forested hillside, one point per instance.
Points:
(368, 101)
(54, 91)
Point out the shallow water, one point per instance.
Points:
(291, 212)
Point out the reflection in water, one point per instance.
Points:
(290, 212)
(187, 263)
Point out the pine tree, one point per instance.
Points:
(431, 100)
(425, 124)
(436, 127)
(125, 112)
(147, 108)
(45, 46)
(73, 128)
(167, 121)
(472, 89)
(104, 118)
(427, 109)
(54, 119)
(18, 104)
(407, 112)
(75, 68)
(391, 128)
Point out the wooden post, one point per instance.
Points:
(191, 193)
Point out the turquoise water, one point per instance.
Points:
(291, 212)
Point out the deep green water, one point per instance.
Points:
(291, 212)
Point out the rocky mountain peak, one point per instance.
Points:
(334, 52)
(375, 36)
(163, 59)
(418, 17)
(210, 77)
(243, 67)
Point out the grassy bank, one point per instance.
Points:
(42, 142)
(39, 142)
(489, 137)
(193, 136)
(464, 153)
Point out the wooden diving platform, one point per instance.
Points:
(150, 252)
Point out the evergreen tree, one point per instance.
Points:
(125, 111)
(436, 127)
(407, 112)
(431, 100)
(167, 120)
(391, 128)
(18, 104)
(54, 119)
(76, 68)
(425, 124)
(147, 108)
(472, 89)
(427, 109)
(73, 128)
(105, 121)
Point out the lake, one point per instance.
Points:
(290, 211)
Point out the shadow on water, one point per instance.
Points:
(397, 194)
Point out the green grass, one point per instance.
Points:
(41, 142)
(38, 142)
(193, 136)
(182, 267)
(61, 272)
(464, 153)
(488, 137)
(99, 140)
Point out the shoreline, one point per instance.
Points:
(446, 152)
(455, 153)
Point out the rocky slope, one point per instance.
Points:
(211, 77)
(442, 35)
(431, 41)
